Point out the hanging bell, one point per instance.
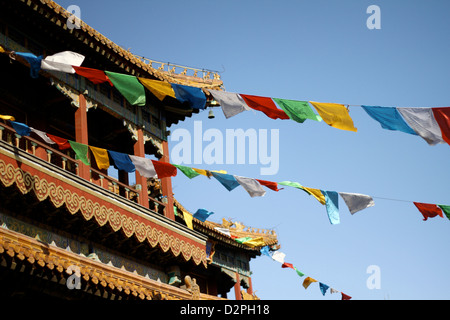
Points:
(211, 114)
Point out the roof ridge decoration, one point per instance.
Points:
(141, 62)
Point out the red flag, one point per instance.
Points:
(442, 116)
(429, 210)
(164, 169)
(62, 143)
(269, 184)
(265, 105)
(287, 265)
(94, 75)
(345, 297)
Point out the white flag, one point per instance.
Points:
(357, 202)
(231, 103)
(62, 61)
(144, 166)
(252, 186)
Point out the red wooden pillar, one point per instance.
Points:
(237, 288)
(81, 134)
(250, 286)
(139, 150)
(166, 185)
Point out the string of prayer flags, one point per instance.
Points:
(298, 111)
(202, 214)
(423, 122)
(94, 75)
(122, 161)
(335, 115)
(389, 118)
(144, 166)
(101, 157)
(230, 102)
(265, 105)
(81, 151)
(129, 87)
(62, 61)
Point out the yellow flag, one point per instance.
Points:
(308, 281)
(257, 242)
(160, 89)
(335, 115)
(316, 193)
(2, 50)
(10, 118)
(188, 220)
(101, 157)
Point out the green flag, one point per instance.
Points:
(242, 240)
(446, 210)
(301, 274)
(81, 151)
(129, 87)
(297, 110)
(188, 172)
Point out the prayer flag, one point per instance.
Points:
(252, 186)
(188, 219)
(122, 161)
(188, 172)
(2, 50)
(42, 135)
(192, 95)
(291, 184)
(389, 118)
(356, 202)
(332, 205)
(21, 128)
(442, 116)
(224, 231)
(34, 61)
(345, 297)
(422, 121)
(256, 242)
(265, 250)
(144, 166)
(316, 193)
(62, 143)
(265, 105)
(428, 210)
(202, 214)
(335, 115)
(230, 102)
(101, 157)
(81, 151)
(62, 61)
(269, 184)
(5, 117)
(129, 87)
(308, 281)
(446, 210)
(278, 256)
(159, 89)
(93, 75)
(164, 169)
(243, 239)
(323, 287)
(287, 265)
(227, 180)
(297, 110)
(301, 274)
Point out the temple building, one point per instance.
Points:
(74, 230)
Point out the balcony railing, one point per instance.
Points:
(66, 160)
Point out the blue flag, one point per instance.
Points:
(389, 118)
(227, 180)
(122, 161)
(332, 204)
(202, 214)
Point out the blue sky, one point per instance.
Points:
(317, 51)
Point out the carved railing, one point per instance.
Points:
(66, 160)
